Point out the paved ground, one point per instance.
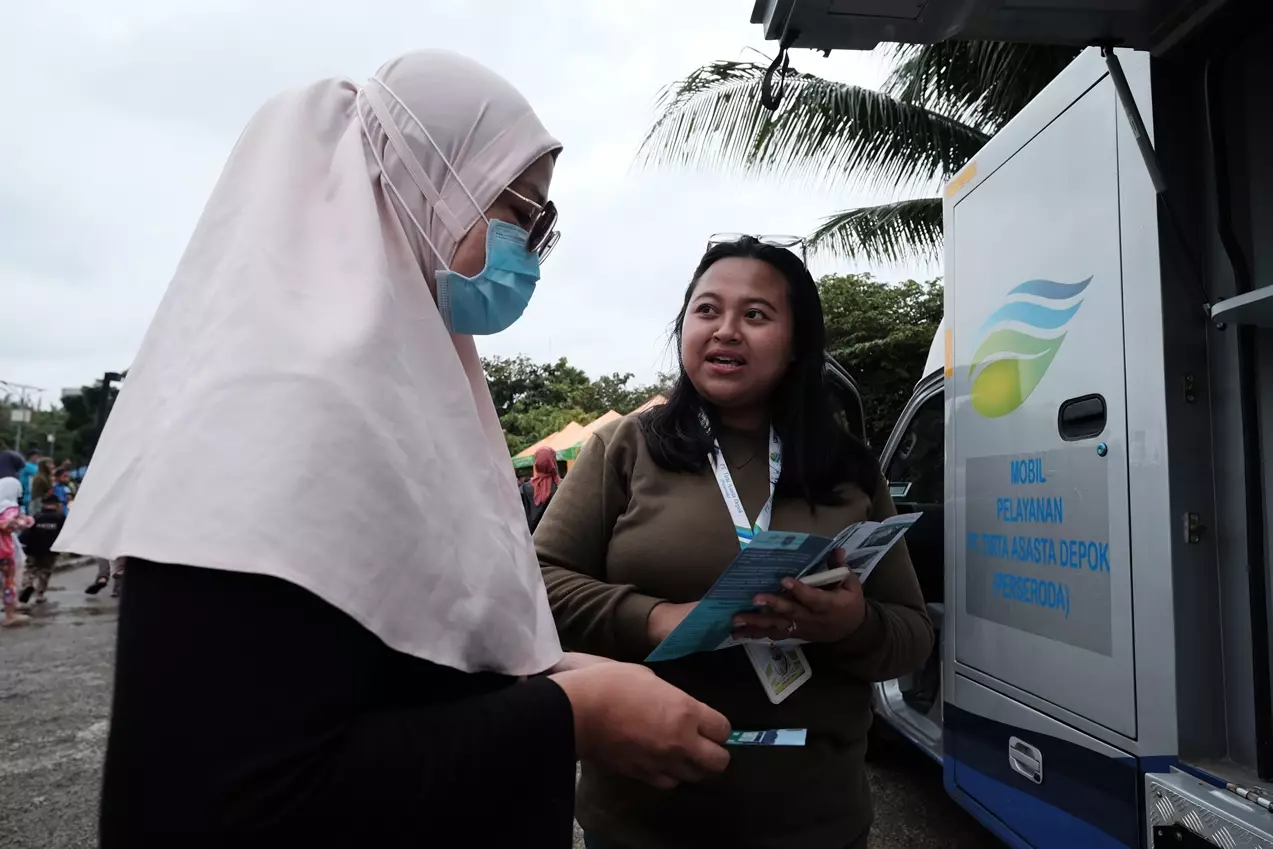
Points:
(912, 810)
(55, 680)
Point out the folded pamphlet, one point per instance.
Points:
(774, 737)
(760, 568)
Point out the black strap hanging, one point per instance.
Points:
(771, 95)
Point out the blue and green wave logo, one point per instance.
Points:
(1017, 343)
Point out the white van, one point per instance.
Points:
(1088, 443)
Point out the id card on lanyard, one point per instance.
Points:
(781, 670)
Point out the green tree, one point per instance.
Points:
(939, 105)
(613, 392)
(881, 333)
(82, 418)
(35, 434)
(518, 384)
(534, 400)
(522, 430)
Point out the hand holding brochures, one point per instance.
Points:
(760, 568)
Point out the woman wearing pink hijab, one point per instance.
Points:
(539, 490)
(380, 669)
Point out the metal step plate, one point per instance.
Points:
(1218, 816)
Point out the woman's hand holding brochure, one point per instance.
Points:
(773, 570)
(825, 615)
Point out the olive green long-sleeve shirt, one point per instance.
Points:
(620, 536)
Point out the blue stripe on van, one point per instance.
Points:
(1050, 289)
(979, 812)
(1082, 791)
(1031, 314)
(1046, 826)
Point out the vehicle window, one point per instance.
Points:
(916, 471)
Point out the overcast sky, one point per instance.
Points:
(122, 114)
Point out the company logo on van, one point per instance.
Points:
(1018, 342)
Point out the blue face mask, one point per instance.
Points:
(497, 296)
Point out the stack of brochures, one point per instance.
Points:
(760, 568)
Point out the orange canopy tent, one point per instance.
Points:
(561, 442)
(569, 441)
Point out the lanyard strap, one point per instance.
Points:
(744, 530)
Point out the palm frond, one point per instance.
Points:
(824, 132)
(888, 233)
(982, 83)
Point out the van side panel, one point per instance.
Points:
(1043, 563)
(1041, 718)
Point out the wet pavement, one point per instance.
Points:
(55, 684)
(912, 810)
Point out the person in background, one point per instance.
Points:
(63, 488)
(11, 523)
(376, 664)
(41, 483)
(117, 575)
(37, 541)
(29, 470)
(645, 524)
(105, 568)
(539, 490)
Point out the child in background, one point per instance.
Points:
(37, 541)
(63, 488)
(11, 521)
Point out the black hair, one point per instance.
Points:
(50, 498)
(34, 452)
(818, 453)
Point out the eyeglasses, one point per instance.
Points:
(774, 241)
(543, 228)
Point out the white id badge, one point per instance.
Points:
(781, 670)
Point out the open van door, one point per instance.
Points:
(1041, 715)
(846, 396)
(913, 462)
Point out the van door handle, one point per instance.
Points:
(1082, 418)
(1025, 760)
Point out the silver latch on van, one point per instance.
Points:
(1025, 759)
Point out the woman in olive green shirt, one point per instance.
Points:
(41, 483)
(642, 527)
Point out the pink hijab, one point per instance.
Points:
(299, 329)
(545, 476)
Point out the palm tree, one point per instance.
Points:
(937, 108)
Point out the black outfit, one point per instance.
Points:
(38, 539)
(248, 712)
(535, 512)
